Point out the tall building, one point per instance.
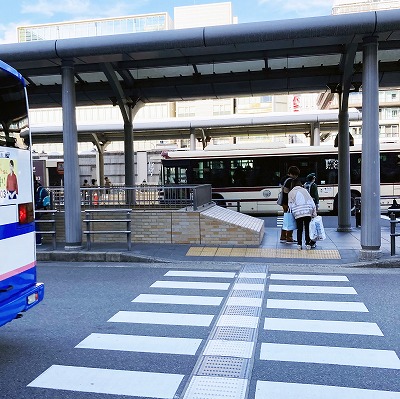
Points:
(353, 6)
(389, 100)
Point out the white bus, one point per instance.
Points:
(253, 175)
(19, 290)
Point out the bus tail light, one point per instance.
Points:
(32, 298)
(25, 213)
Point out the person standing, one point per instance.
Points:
(286, 183)
(311, 186)
(303, 208)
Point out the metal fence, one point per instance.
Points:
(142, 196)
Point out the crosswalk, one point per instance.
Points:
(295, 328)
(305, 327)
(166, 294)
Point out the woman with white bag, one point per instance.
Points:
(303, 208)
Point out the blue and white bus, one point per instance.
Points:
(19, 290)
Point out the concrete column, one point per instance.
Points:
(344, 191)
(315, 134)
(129, 154)
(72, 197)
(370, 157)
(192, 140)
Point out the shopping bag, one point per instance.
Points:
(289, 222)
(317, 231)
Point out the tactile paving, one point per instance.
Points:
(241, 349)
(284, 253)
(205, 387)
(234, 333)
(223, 366)
(246, 280)
(254, 269)
(242, 310)
(247, 294)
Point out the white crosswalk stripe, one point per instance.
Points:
(322, 326)
(312, 289)
(330, 355)
(106, 381)
(179, 299)
(335, 306)
(137, 343)
(285, 390)
(324, 318)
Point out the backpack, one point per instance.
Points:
(42, 198)
(307, 185)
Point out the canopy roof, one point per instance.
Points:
(298, 55)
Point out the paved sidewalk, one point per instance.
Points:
(339, 248)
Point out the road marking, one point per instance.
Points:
(252, 275)
(216, 347)
(191, 285)
(312, 289)
(106, 381)
(243, 301)
(316, 305)
(139, 343)
(205, 387)
(189, 273)
(307, 277)
(286, 390)
(179, 299)
(248, 287)
(238, 321)
(322, 326)
(330, 355)
(175, 319)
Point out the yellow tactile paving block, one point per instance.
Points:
(238, 252)
(292, 253)
(194, 251)
(208, 251)
(223, 252)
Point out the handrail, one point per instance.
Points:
(51, 212)
(393, 234)
(89, 231)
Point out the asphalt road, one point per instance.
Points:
(85, 306)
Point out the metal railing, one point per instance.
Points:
(393, 234)
(138, 197)
(90, 231)
(38, 220)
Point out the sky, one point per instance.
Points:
(29, 12)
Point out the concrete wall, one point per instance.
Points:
(211, 226)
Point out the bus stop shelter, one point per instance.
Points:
(338, 53)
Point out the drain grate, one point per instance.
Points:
(247, 294)
(220, 366)
(234, 333)
(247, 280)
(242, 310)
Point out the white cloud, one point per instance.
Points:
(8, 33)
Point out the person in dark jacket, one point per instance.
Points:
(286, 183)
(311, 186)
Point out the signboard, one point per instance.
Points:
(60, 168)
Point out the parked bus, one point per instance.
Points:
(19, 290)
(253, 175)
